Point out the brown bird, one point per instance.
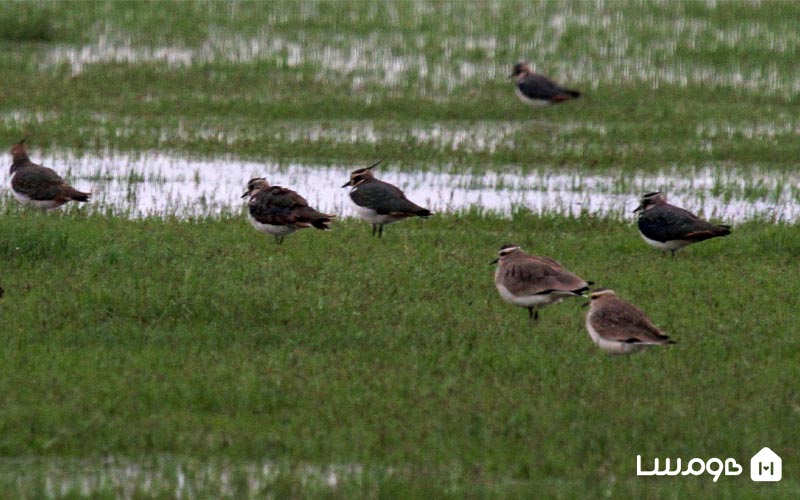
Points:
(538, 90)
(39, 186)
(619, 327)
(668, 227)
(534, 282)
(280, 211)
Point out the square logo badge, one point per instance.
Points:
(766, 465)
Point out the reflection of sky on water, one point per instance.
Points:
(397, 59)
(167, 476)
(155, 184)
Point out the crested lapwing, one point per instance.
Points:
(39, 186)
(538, 90)
(280, 211)
(378, 202)
(668, 227)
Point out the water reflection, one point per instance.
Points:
(168, 476)
(154, 184)
(434, 64)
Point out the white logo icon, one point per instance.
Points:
(765, 466)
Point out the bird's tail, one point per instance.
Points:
(723, 230)
(582, 290)
(573, 93)
(423, 212)
(322, 221)
(74, 194)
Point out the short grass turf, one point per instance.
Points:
(204, 338)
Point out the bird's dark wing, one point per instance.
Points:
(385, 198)
(282, 197)
(263, 209)
(540, 87)
(667, 223)
(38, 183)
(282, 207)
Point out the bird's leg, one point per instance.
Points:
(279, 239)
(533, 314)
(374, 228)
(380, 230)
(673, 253)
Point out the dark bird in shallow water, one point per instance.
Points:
(39, 186)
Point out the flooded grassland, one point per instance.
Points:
(155, 349)
(157, 185)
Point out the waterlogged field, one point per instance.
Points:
(158, 185)
(154, 345)
(421, 84)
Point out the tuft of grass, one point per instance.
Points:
(26, 22)
(395, 354)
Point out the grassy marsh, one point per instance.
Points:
(185, 354)
(665, 83)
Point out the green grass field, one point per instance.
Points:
(196, 358)
(205, 339)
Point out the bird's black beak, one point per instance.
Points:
(347, 184)
(638, 208)
(495, 261)
(246, 194)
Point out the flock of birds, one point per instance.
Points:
(524, 280)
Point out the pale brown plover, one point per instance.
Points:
(280, 211)
(534, 282)
(538, 90)
(618, 327)
(668, 227)
(378, 202)
(39, 186)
